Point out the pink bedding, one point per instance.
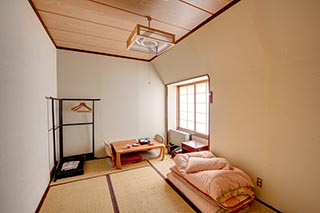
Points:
(229, 186)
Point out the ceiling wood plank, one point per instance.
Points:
(89, 41)
(85, 10)
(85, 39)
(83, 27)
(104, 26)
(170, 12)
(102, 50)
(100, 14)
(211, 6)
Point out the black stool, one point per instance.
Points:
(176, 151)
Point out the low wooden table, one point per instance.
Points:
(120, 147)
(193, 146)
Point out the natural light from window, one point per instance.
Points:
(193, 107)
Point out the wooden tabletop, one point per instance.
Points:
(121, 146)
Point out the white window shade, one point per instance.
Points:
(149, 40)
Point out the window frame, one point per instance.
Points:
(194, 132)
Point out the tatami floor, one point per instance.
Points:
(138, 187)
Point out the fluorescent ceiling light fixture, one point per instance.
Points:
(149, 40)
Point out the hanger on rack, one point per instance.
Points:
(82, 107)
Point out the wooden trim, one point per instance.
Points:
(195, 6)
(166, 116)
(202, 24)
(155, 57)
(78, 45)
(138, 14)
(200, 135)
(209, 113)
(193, 83)
(85, 34)
(52, 172)
(156, 30)
(195, 106)
(117, 8)
(207, 137)
(175, 82)
(42, 199)
(178, 107)
(208, 19)
(84, 44)
(193, 132)
(77, 180)
(134, 13)
(84, 20)
(99, 53)
(267, 205)
(203, 136)
(41, 21)
(91, 177)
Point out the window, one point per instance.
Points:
(193, 107)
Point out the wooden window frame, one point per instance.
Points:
(193, 132)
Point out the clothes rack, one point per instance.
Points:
(60, 127)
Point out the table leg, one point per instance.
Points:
(162, 152)
(118, 160)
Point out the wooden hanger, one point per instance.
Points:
(82, 105)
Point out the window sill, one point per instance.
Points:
(192, 133)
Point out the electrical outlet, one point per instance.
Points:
(259, 182)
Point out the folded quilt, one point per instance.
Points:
(196, 164)
(182, 160)
(229, 186)
(234, 199)
(216, 183)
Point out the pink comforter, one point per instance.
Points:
(216, 177)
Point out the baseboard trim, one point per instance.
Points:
(267, 205)
(43, 198)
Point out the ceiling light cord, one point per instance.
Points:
(149, 20)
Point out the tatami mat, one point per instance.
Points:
(98, 167)
(143, 190)
(257, 207)
(90, 195)
(163, 166)
(137, 187)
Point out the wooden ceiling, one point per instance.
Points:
(103, 26)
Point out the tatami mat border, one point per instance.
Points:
(82, 179)
(175, 189)
(95, 176)
(112, 194)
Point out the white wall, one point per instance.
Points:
(130, 107)
(263, 61)
(28, 74)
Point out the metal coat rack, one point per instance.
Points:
(61, 125)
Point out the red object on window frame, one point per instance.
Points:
(210, 97)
